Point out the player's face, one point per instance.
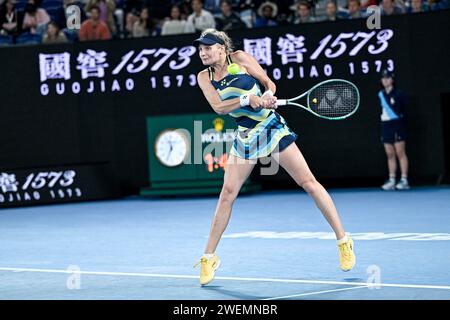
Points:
(210, 54)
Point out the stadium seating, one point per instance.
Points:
(5, 40)
(29, 38)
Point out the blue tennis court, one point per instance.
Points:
(277, 246)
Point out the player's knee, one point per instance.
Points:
(228, 193)
(309, 185)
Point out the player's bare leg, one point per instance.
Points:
(292, 160)
(237, 171)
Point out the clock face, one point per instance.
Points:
(171, 148)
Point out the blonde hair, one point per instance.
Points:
(229, 47)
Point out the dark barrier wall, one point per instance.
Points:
(87, 102)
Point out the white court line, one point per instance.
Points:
(313, 293)
(156, 275)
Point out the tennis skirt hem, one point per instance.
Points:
(284, 142)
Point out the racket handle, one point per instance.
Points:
(281, 102)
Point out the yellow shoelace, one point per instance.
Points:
(202, 260)
(346, 252)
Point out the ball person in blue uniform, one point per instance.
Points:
(235, 84)
(393, 131)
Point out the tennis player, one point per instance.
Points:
(239, 93)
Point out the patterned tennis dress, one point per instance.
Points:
(260, 132)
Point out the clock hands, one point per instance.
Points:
(170, 150)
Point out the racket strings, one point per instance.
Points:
(333, 99)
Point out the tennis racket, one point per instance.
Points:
(333, 99)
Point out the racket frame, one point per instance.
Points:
(284, 102)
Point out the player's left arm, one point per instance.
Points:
(253, 68)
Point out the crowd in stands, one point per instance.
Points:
(56, 21)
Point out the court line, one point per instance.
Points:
(313, 293)
(157, 275)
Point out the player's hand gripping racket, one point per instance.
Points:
(333, 99)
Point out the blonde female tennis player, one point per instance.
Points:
(233, 84)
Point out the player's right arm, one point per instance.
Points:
(213, 98)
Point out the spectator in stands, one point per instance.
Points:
(388, 8)
(174, 25)
(200, 19)
(228, 19)
(9, 18)
(213, 6)
(354, 9)
(185, 9)
(142, 27)
(304, 13)
(53, 34)
(267, 13)
(331, 11)
(246, 9)
(439, 4)
(93, 28)
(401, 4)
(55, 10)
(248, 4)
(417, 6)
(393, 131)
(131, 9)
(119, 18)
(35, 19)
(107, 8)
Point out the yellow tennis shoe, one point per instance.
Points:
(347, 256)
(208, 268)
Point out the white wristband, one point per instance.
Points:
(267, 92)
(244, 100)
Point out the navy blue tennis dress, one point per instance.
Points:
(260, 132)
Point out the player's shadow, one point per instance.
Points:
(234, 294)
